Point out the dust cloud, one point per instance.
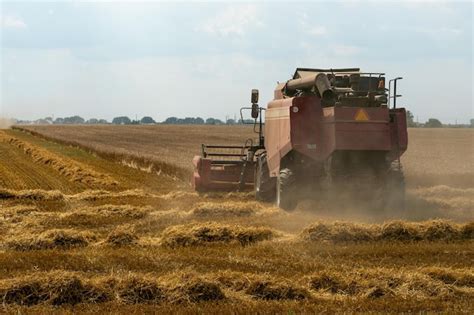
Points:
(421, 204)
(6, 123)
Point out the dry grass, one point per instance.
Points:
(53, 239)
(63, 288)
(467, 231)
(275, 290)
(379, 283)
(136, 145)
(196, 234)
(461, 278)
(17, 210)
(338, 232)
(32, 194)
(225, 209)
(191, 287)
(58, 288)
(434, 230)
(87, 195)
(121, 237)
(440, 150)
(440, 156)
(333, 282)
(401, 231)
(152, 245)
(68, 288)
(73, 170)
(134, 290)
(132, 212)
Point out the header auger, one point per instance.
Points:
(324, 128)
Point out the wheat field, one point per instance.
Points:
(102, 219)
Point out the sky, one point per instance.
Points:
(104, 59)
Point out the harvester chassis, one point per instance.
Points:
(326, 130)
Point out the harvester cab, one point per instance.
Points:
(324, 128)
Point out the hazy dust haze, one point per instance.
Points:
(6, 123)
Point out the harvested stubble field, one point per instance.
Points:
(83, 232)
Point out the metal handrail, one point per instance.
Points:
(225, 154)
(225, 146)
(395, 95)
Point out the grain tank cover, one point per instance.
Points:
(303, 72)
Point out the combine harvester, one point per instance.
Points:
(325, 130)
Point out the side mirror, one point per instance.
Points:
(254, 96)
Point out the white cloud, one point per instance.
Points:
(234, 20)
(318, 31)
(346, 50)
(439, 32)
(307, 26)
(435, 32)
(15, 22)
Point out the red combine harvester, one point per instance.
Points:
(324, 128)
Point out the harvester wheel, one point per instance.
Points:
(395, 188)
(265, 186)
(286, 190)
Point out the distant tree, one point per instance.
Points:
(213, 121)
(121, 120)
(171, 120)
(246, 121)
(472, 123)
(230, 122)
(59, 121)
(189, 120)
(22, 122)
(147, 120)
(42, 121)
(210, 121)
(102, 122)
(433, 123)
(92, 121)
(73, 120)
(410, 119)
(192, 121)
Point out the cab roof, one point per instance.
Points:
(303, 72)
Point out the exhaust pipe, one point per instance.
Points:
(318, 80)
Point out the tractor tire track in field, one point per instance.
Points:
(73, 170)
(17, 172)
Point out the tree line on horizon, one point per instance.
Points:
(125, 120)
(147, 120)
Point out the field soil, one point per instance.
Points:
(102, 219)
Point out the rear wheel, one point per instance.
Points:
(287, 190)
(394, 190)
(265, 186)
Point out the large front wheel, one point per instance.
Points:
(287, 190)
(265, 186)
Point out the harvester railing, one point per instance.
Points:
(224, 151)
